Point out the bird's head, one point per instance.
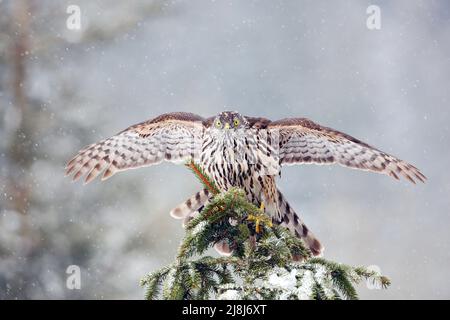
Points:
(230, 120)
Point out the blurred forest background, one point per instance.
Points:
(62, 89)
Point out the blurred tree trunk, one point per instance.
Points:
(20, 155)
(35, 215)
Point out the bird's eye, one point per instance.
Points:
(236, 122)
(218, 124)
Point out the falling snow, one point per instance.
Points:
(131, 61)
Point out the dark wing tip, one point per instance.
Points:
(410, 172)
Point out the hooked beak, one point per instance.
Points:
(227, 126)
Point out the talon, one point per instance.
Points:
(260, 219)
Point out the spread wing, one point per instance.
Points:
(303, 141)
(174, 137)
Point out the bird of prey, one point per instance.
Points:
(236, 151)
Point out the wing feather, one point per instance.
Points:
(304, 141)
(173, 137)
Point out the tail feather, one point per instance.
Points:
(292, 221)
(193, 214)
(190, 206)
(223, 248)
(286, 217)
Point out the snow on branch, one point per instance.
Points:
(267, 262)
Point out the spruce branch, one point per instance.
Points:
(203, 177)
(268, 261)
